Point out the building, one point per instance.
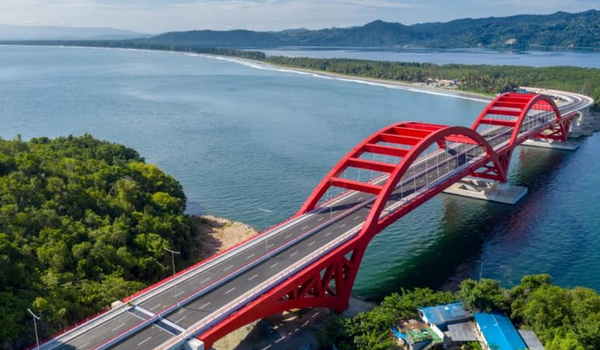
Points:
(455, 326)
(440, 317)
(498, 332)
(531, 340)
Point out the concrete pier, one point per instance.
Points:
(193, 344)
(566, 146)
(488, 190)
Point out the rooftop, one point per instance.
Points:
(499, 332)
(443, 315)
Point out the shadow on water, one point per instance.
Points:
(466, 227)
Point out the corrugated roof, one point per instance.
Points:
(499, 331)
(441, 315)
(462, 332)
(531, 340)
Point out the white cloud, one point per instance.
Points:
(164, 15)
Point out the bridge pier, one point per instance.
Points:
(193, 344)
(489, 190)
(565, 146)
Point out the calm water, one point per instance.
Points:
(239, 138)
(439, 56)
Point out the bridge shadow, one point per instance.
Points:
(464, 229)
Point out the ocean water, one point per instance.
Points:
(589, 59)
(239, 138)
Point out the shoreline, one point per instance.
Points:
(389, 84)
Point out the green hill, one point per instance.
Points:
(560, 30)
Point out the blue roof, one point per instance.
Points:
(442, 315)
(499, 331)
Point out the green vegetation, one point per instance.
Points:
(564, 319)
(83, 223)
(558, 30)
(474, 78)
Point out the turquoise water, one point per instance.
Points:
(239, 138)
(588, 59)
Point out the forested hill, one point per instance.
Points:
(83, 223)
(560, 30)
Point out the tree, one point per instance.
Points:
(485, 296)
(83, 223)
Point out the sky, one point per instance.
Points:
(156, 16)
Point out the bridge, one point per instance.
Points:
(311, 260)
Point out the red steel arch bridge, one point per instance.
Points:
(311, 260)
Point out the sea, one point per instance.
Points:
(588, 59)
(240, 137)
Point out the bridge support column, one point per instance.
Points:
(489, 190)
(193, 344)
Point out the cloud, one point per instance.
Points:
(155, 16)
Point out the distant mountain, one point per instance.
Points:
(559, 30)
(9, 32)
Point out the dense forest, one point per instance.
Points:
(83, 223)
(475, 78)
(563, 319)
(559, 30)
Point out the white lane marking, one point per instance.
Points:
(253, 277)
(204, 280)
(229, 291)
(305, 227)
(267, 347)
(272, 266)
(178, 294)
(343, 225)
(288, 236)
(294, 253)
(319, 219)
(357, 217)
(155, 306)
(181, 319)
(250, 256)
(83, 345)
(328, 233)
(142, 342)
(228, 268)
(203, 306)
(270, 245)
(360, 198)
(312, 243)
(280, 339)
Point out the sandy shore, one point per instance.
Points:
(217, 234)
(394, 84)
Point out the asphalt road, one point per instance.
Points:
(207, 303)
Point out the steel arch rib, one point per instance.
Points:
(275, 300)
(373, 224)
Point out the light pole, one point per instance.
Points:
(265, 212)
(172, 257)
(481, 271)
(35, 319)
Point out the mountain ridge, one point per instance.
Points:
(557, 30)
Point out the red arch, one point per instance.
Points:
(517, 106)
(312, 287)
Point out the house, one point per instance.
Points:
(440, 317)
(531, 340)
(498, 332)
(494, 331)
